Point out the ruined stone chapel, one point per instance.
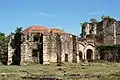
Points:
(44, 45)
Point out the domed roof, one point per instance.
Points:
(36, 29)
(42, 29)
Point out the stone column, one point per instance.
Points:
(45, 50)
(52, 47)
(10, 50)
(77, 46)
(70, 57)
(114, 28)
(26, 51)
(93, 55)
(87, 29)
(62, 48)
(94, 29)
(22, 53)
(85, 55)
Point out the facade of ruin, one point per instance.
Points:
(109, 29)
(104, 33)
(43, 45)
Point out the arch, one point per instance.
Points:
(66, 57)
(89, 54)
(81, 47)
(91, 44)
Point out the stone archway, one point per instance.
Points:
(89, 54)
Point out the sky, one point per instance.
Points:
(63, 14)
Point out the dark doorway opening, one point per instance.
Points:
(66, 57)
(40, 48)
(80, 55)
(16, 58)
(89, 55)
(35, 55)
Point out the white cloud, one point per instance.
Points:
(46, 14)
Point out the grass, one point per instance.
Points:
(108, 71)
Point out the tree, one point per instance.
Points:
(18, 30)
(2, 36)
(18, 33)
(17, 43)
(3, 48)
(83, 28)
(93, 20)
(105, 17)
(110, 19)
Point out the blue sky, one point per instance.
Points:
(64, 14)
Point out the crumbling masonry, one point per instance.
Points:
(43, 46)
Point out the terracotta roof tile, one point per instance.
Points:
(42, 29)
(37, 29)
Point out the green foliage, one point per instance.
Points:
(3, 48)
(2, 36)
(83, 28)
(108, 47)
(110, 19)
(18, 30)
(93, 21)
(105, 17)
(18, 33)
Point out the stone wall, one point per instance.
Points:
(60, 48)
(67, 47)
(56, 48)
(26, 50)
(10, 49)
(118, 32)
(108, 32)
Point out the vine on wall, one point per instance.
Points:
(109, 52)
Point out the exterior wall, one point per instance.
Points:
(81, 49)
(84, 46)
(46, 50)
(54, 47)
(87, 29)
(26, 51)
(118, 32)
(77, 48)
(10, 50)
(74, 38)
(109, 33)
(67, 47)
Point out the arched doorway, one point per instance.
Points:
(66, 57)
(89, 54)
(80, 55)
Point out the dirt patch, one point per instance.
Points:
(41, 77)
(78, 76)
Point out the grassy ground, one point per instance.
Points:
(103, 71)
